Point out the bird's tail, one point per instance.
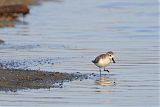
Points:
(93, 61)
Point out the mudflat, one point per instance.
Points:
(13, 79)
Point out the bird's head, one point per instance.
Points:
(110, 54)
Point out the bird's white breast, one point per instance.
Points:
(103, 62)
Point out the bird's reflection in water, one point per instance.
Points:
(105, 81)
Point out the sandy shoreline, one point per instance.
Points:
(13, 79)
(12, 10)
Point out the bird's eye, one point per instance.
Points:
(110, 55)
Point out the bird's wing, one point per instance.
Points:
(99, 57)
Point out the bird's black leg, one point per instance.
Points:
(106, 70)
(100, 72)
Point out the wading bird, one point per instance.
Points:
(104, 60)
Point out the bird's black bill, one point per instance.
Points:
(113, 60)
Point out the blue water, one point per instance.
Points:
(69, 34)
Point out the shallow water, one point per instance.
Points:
(65, 36)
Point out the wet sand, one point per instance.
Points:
(13, 79)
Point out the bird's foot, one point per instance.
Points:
(106, 70)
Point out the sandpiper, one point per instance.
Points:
(104, 60)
